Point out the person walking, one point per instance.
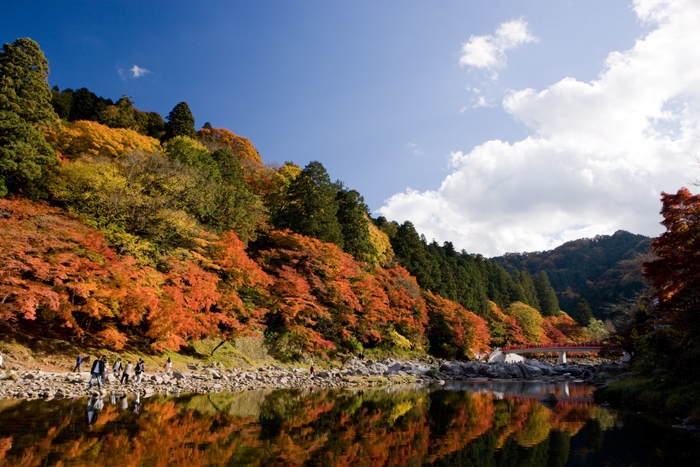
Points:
(168, 366)
(127, 371)
(138, 371)
(78, 364)
(105, 369)
(117, 367)
(96, 371)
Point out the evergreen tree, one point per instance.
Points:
(25, 108)
(545, 295)
(85, 105)
(389, 228)
(501, 288)
(471, 292)
(62, 101)
(180, 122)
(311, 207)
(583, 313)
(410, 249)
(354, 223)
(530, 293)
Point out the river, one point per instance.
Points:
(459, 424)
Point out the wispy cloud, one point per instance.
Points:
(488, 52)
(137, 71)
(415, 149)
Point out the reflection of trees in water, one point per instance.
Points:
(295, 427)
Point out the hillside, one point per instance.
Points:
(601, 270)
(128, 231)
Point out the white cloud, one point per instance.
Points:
(481, 102)
(488, 52)
(599, 155)
(137, 71)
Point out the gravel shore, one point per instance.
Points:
(355, 373)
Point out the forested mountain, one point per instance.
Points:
(122, 228)
(599, 270)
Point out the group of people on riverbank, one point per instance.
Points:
(99, 372)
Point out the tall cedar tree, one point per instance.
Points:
(583, 313)
(180, 122)
(545, 294)
(311, 208)
(354, 223)
(410, 249)
(524, 279)
(25, 108)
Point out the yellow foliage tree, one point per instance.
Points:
(382, 245)
(85, 138)
(529, 319)
(240, 146)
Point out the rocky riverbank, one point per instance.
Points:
(199, 379)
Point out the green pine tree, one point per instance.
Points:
(180, 122)
(583, 313)
(545, 295)
(311, 206)
(354, 223)
(524, 278)
(410, 248)
(25, 109)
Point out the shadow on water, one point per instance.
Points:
(463, 423)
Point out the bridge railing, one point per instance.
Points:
(556, 345)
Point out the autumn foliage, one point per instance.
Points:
(56, 269)
(240, 146)
(675, 274)
(86, 138)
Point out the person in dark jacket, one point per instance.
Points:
(139, 370)
(78, 363)
(96, 371)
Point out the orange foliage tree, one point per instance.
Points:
(453, 331)
(322, 299)
(239, 145)
(56, 269)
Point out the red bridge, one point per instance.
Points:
(561, 349)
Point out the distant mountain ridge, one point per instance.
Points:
(602, 269)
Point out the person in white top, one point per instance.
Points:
(168, 366)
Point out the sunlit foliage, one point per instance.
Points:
(85, 138)
(220, 138)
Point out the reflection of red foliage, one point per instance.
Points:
(323, 428)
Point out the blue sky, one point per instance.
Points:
(387, 97)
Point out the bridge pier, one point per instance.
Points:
(562, 358)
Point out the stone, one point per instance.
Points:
(177, 374)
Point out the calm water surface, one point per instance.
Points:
(475, 424)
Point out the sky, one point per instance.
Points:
(502, 126)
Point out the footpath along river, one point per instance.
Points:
(458, 423)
